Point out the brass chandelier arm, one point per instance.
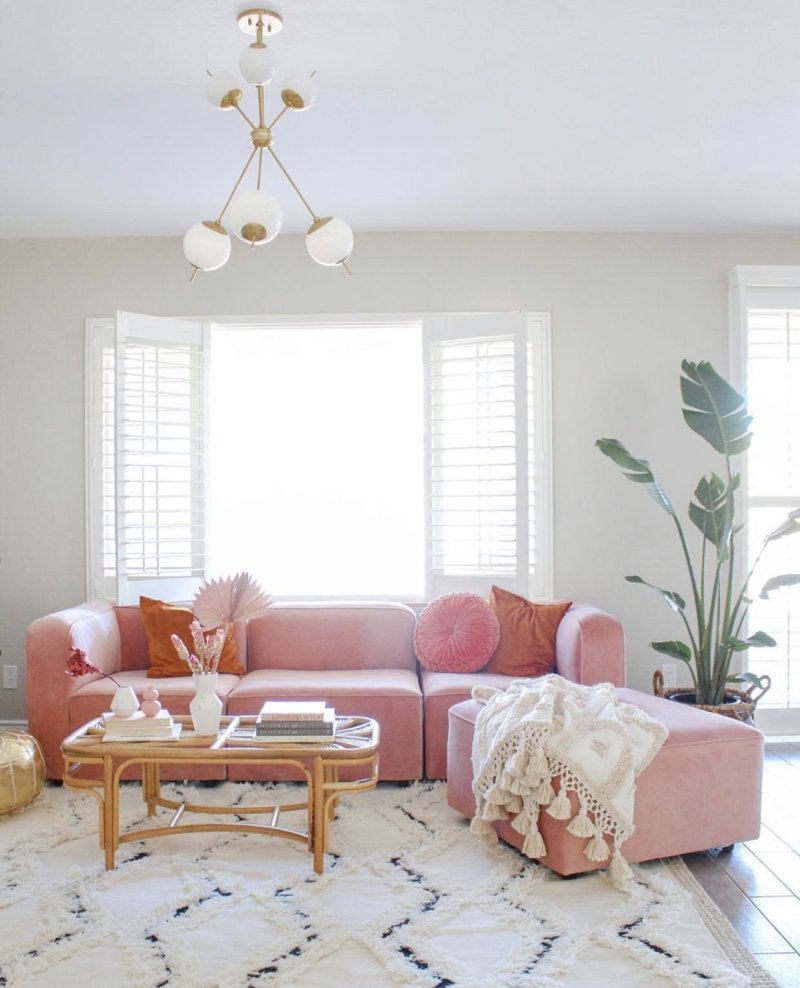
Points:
(278, 117)
(293, 184)
(249, 121)
(260, 166)
(236, 186)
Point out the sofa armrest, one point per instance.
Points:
(92, 627)
(590, 647)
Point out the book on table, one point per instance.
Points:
(283, 738)
(289, 730)
(138, 727)
(292, 710)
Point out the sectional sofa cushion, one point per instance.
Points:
(527, 634)
(457, 632)
(161, 621)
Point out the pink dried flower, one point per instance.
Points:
(208, 648)
(79, 665)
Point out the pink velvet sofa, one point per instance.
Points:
(359, 657)
(702, 789)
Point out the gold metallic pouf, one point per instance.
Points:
(21, 770)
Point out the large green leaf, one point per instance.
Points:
(713, 511)
(674, 649)
(776, 582)
(675, 601)
(714, 410)
(759, 639)
(750, 677)
(639, 471)
(788, 527)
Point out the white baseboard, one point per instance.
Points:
(13, 725)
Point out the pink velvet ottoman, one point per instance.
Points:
(702, 790)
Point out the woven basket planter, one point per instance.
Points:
(740, 706)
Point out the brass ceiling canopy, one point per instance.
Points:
(253, 216)
(268, 20)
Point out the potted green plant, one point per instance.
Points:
(715, 621)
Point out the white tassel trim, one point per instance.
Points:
(521, 822)
(596, 849)
(560, 808)
(534, 846)
(483, 830)
(517, 764)
(581, 826)
(514, 805)
(507, 779)
(494, 812)
(538, 763)
(545, 793)
(532, 778)
(619, 870)
(519, 788)
(498, 796)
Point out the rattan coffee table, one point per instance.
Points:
(356, 744)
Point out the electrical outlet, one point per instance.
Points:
(670, 674)
(10, 680)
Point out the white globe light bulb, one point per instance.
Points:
(223, 90)
(329, 241)
(206, 245)
(255, 217)
(299, 92)
(257, 64)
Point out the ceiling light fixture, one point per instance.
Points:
(255, 217)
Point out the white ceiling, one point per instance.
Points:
(670, 115)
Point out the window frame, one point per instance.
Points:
(533, 381)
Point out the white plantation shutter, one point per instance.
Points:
(766, 321)
(773, 375)
(101, 547)
(159, 468)
(482, 373)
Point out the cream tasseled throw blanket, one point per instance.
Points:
(541, 728)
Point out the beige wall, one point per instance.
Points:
(625, 310)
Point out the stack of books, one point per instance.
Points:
(289, 721)
(140, 728)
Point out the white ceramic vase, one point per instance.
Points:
(206, 707)
(125, 702)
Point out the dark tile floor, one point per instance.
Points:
(757, 884)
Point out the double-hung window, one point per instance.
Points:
(346, 457)
(765, 321)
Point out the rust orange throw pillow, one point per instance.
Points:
(161, 621)
(527, 634)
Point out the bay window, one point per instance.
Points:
(345, 457)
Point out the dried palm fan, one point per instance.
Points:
(235, 598)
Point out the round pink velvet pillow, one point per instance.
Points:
(458, 632)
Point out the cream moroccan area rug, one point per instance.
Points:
(408, 897)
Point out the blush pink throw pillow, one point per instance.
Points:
(458, 632)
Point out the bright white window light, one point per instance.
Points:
(316, 469)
